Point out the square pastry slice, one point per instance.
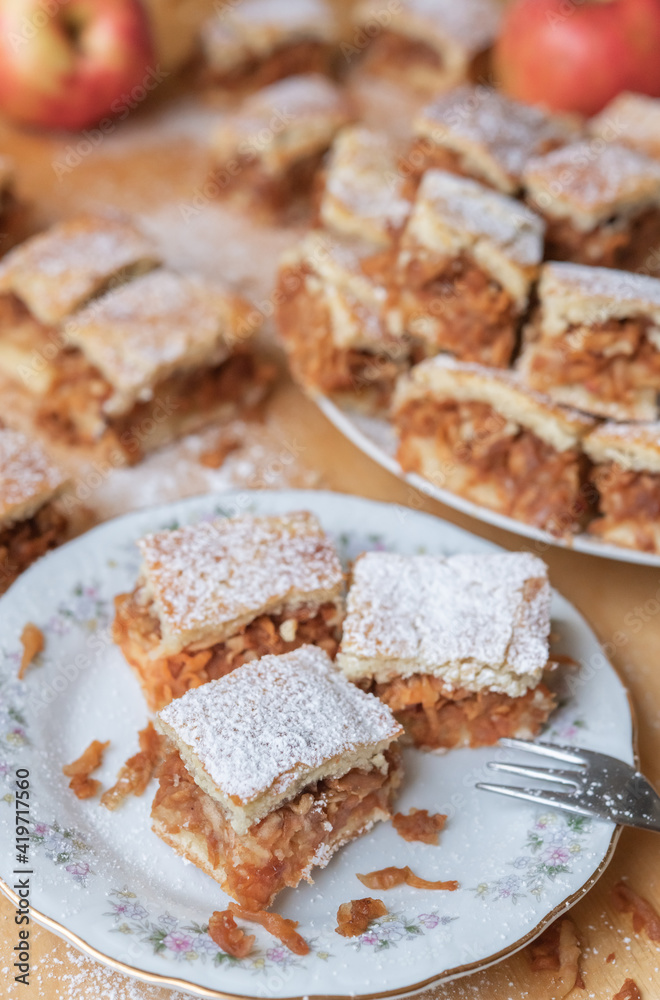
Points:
(456, 646)
(429, 45)
(57, 271)
(13, 213)
(630, 119)
(271, 770)
(256, 42)
(362, 193)
(481, 433)
(31, 522)
(601, 205)
(150, 360)
(626, 473)
(331, 296)
(466, 260)
(267, 153)
(594, 341)
(481, 133)
(213, 595)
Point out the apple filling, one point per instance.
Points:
(619, 242)
(317, 361)
(274, 192)
(629, 507)
(471, 449)
(136, 630)
(282, 848)
(452, 305)
(436, 716)
(613, 360)
(23, 542)
(72, 410)
(393, 53)
(288, 59)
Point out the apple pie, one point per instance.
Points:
(465, 264)
(481, 433)
(362, 194)
(626, 473)
(31, 522)
(456, 646)
(601, 205)
(594, 341)
(13, 213)
(267, 153)
(214, 595)
(631, 119)
(272, 769)
(481, 133)
(429, 45)
(331, 295)
(256, 42)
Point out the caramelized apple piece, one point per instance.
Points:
(644, 916)
(79, 771)
(388, 878)
(228, 936)
(32, 640)
(354, 918)
(280, 927)
(136, 773)
(419, 825)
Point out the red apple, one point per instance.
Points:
(576, 55)
(68, 63)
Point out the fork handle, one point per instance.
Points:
(640, 806)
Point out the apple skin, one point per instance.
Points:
(50, 78)
(576, 55)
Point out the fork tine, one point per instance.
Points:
(569, 755)
(560, 777)
(561, 800)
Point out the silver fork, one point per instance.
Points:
(599, 785)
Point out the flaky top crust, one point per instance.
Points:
(631, 119)
(454, 215)
(443, 378)
(208, 580)
(579, 295)
(28, 477)
(495, 135)
(60, 269)
(588, 185)
(634, 446)
(256, 737)
(283, 122)
(159, 324)
(479, 622)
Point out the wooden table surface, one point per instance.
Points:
(154, 165)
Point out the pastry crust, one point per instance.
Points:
(633, 446)
(205, 581)
(258, 42)
(59, 270)
(429, 45)
(593, 342)
(632, 120)
(29, 479)
(362, 196)
(257, 737)
(477, 131)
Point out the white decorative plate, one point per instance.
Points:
(375, 437)
(107, 883)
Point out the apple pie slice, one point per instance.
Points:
(213, 595)
(429, 45)
(626, 473)
(481, 133)
(256, 42)
(630, 119)
(331, 295)
(481, 433)
(271, 770)
(456, 646)
(362, 193)
(31, 522)
(594, 341)
(601, 204)
(465, 264)
(267, 153)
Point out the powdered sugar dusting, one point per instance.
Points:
(26, 472)
(275, 718)
(471, 24)
(479, 621)
(563, 277)
(215, 571)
